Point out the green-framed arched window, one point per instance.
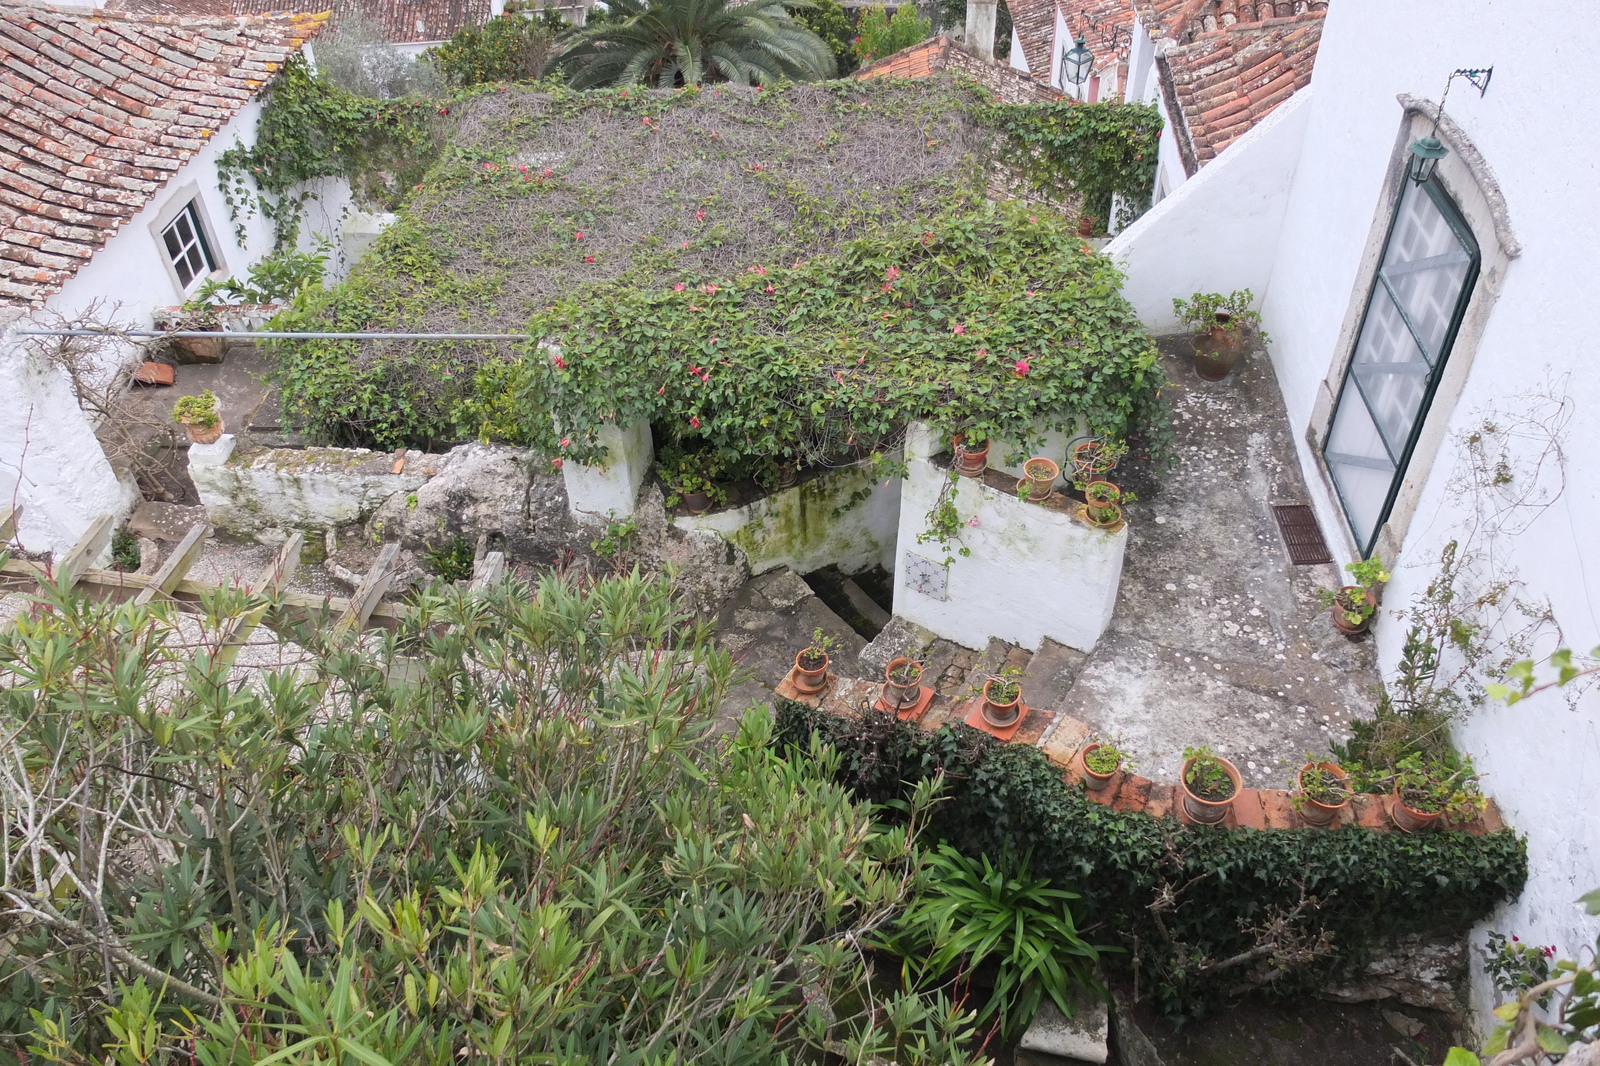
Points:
(1425, 278)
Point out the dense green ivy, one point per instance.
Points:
(1205, 914)
(311, 129)
(1096, 151)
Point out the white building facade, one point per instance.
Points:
(1434, 344)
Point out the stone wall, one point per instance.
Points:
(846, 518)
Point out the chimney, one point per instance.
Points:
(980, 27)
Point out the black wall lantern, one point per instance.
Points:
(1076, 64)
(1427, 151)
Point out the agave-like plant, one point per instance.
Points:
(670, 43)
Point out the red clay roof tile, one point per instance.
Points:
(98, 111)
(939, 55)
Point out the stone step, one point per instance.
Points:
(868, 606)
(164, 522)
(1051, 673)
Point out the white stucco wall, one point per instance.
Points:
(846, 518)
(598, 494)
(1031, 573)
(1541, 760)
(1219, 231)
(50, 462)
(269, 491)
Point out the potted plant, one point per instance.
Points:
(1041, 473)
(1353, 606)
(198, 415)
(1426, 790)
(686, 481)
(1218, 324)
(1321, 790)
(811, 663)
(972, 453)
(1093, 457)
(902, 682)
(1209, 783)
(1002, 698)
(1086, 223)
(1101, 762)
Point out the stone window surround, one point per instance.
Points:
(1470, 183)
(177, 201)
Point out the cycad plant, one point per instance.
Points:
(671, 43)
(970, 914)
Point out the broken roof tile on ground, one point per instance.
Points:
(98, 112)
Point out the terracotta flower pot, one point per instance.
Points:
(1216, 352)
(1086, 225)
(1042, 472)
(1090, 461)
(1409, 819)
(1208, 811)
(1092, 780)
(972, 461)
(1107, 516)
(809, 680)
(788, 475)
(202, 435)
(1337, 612)
(899, 694)
(1100, 492)
(1000, 715)
(697, 502)
(1315, 811)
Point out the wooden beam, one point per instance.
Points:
(177, 565)
(9, 515)
(71, 565)
(371, 590)
(488, 570)
(282, 566)
(237, 633)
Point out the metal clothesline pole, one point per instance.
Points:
(146, 334)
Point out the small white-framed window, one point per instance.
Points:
(184, 241)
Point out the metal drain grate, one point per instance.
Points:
(1301, 535)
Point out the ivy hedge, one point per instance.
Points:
(1203, 914)
(784, 272)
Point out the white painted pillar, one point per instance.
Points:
(607, 491)
(981, 16)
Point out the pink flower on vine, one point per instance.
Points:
(561, 364)
(1034, 219)
(556, 463)
(679, 287)
(838, 375)
(973, 521)
(1022, 368)
(694, 422)
(695, 370)
(982, 351)
(692, 307)
(959, 329)
(1030, 292)
(566, 442)
(548, 172)
(709, 290)
(588, 259)
(578, 235)
(769, 288)
(685, 244)
(759, 271)
(892, 273)
(699, 216)
(662, 391)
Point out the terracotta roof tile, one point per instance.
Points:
(402, 21)
(939, 55)
(1231, 62)
(98, 111)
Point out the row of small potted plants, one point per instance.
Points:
(1091, 460)
(1423, 792)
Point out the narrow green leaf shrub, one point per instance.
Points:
(1205, 914)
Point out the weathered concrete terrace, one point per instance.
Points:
(1217, 638)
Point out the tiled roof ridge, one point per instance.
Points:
(98, 111)
(939, 43)
(944, 55)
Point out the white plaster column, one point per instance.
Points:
(607, 491)
(50, 461)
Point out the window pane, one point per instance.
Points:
(1425, 264)
(1391, 371)
(1360, 466)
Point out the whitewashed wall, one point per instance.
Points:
(598, 494)
(846, 518)
(1541, 758)
(50, 462)
(1219, 231)
(1032, 572)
